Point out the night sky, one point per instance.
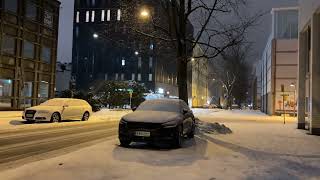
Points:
(259, 35)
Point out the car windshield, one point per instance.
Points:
(160, 105)
(53, 102)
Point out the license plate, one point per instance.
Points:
(29, 115)
(142, 133)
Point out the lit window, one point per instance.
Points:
(139, 77)
(117, 76)
(118, 14)
(122, 77)
(78, 17)
(123, 62)
(102, 15)
(5, 88)
(150, 62)
(87, 16)
(150, 77)
(108, 15)
(92, 16)
(139, 62)
(133, 76)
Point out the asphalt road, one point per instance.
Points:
(31, 144)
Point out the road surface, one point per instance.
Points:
(18, 145)
(259, 147)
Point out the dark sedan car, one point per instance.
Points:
(163, 120)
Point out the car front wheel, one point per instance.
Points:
(124, 143)
(178, 140)
(55, 117)
(85, 116)
(191, 133)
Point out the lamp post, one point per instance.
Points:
(95, 36)
(294, 97)
(144, 13)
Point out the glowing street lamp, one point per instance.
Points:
(95, 36)
(144, 13)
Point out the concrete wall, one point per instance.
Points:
(286, 60)
(309, 73)
(307, 8)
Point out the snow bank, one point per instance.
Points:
(212, 128)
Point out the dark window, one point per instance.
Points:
(31, 11)
(11, 5)
(8, 44)
(46, 54)
(44, 89)
(28, 50)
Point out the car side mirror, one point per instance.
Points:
(185, 111)
(134, 108)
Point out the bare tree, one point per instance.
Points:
(231, 71)
(169, 22)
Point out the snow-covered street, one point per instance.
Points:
(259, 147)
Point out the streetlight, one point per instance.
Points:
(144, 13)
(95, 36)
(294, 97)
(136, 53)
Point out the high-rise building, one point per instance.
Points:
(28, 51)
(105, 47)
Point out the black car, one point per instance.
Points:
(162, 120)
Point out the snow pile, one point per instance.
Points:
(212, 128)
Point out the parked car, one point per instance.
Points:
(58, 109)
(164, 120)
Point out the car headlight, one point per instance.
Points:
(170, 124)
(42, 111)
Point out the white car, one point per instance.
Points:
(58, 109)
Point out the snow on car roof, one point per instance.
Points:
(170, 105)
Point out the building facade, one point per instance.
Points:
(255, 86)
(28, 52)
(309, 66)
(279, 63)
(105, 47)
(198, 82)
